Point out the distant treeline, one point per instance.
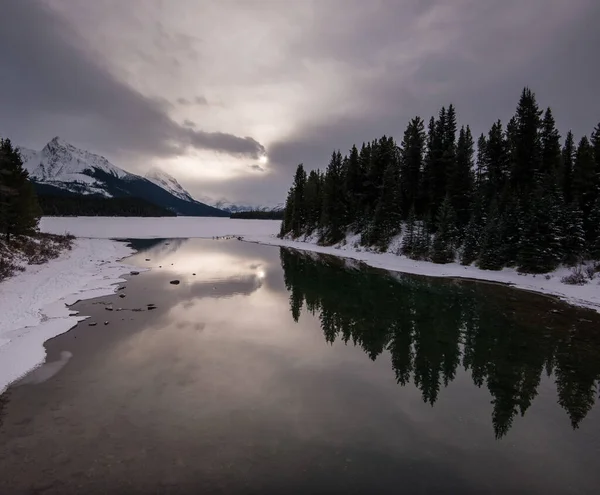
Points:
(259, 215)
(95, 206)
(523, 197)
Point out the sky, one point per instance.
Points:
(230, 96)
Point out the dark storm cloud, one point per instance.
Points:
(51, 84)
(476, 55)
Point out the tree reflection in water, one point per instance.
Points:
(505, 338)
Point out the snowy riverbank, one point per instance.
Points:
(265, 232)
(33, 304)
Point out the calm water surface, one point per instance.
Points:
(269, 371)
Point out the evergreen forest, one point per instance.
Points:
(520, 195)
(19, 208)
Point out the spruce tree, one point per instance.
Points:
(460, 182)
(567, 166)
(354, 183)
(412, 154)
(442, 249)
(472, 241)
(286, 224)
(526, 143)
(334, 215)
(481, 170)
(387, 220)
(410, 233)
(498, 163)
(573, 235)
(540, 250)
(593, 241)
(550, 144)
(299, 205)
(19, 209)
(491, 256)
(313, 200)
(584, 177)
(422, 241)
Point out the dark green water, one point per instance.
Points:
(271, 371)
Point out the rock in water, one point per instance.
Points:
(135, 273)
(121, 296)
(93, 324)
(174, 282)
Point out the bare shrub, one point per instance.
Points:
(576, 277)
(590, 271)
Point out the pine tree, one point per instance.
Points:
(472, 241)
(550, 146)
(422, 242)
(387, 220)
(498, 163)
(584, 176)
(481, 170)
(460, 181)
(567, 166)
(19, 209)
(355, 178)
(412, 153)
(491, 256)
(438, 156)
(526, 143)
(313, 200)
(573, 235)
(299, 205)
(442, 249)
(593, 241)
(510, 229)
(595, 142)
(541, 245)
(286, 224)
(334, 216)
(410, 233)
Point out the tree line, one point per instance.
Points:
(522, 196)
(259, 215)
(475, 326)
(19, 208)
(88, 205)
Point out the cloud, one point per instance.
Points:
(151, 85)
(53, 84)
(256, 167)
(198, 100)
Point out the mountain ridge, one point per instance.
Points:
(63, 169)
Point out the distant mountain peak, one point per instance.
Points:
(168, 182)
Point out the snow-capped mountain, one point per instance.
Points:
(231, 207)
(62, 169)
(168, 183)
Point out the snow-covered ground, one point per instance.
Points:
(265, 232)
(33, 303)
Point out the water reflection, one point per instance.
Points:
(431, 327)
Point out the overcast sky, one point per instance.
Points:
(207, 89)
